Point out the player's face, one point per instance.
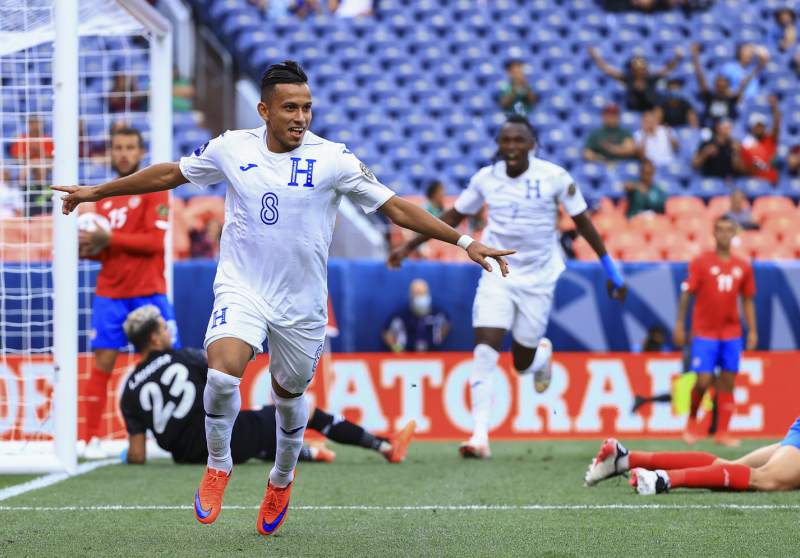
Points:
(126, 154)
(514, 144)
(724, 231)
(287, 112)
(162, 337)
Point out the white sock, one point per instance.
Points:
(221, 400)
(480, 385)
(543, 354)
(291, 418)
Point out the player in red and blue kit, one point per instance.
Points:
(132, 273)
(717, 280)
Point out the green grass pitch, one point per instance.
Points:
(362, 506)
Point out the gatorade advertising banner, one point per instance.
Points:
(591, 395)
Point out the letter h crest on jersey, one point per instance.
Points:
(218, 318)
(308, 172)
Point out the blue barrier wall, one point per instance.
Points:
(365, 294)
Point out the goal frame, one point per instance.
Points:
(60, 455)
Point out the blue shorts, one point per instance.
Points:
(708, 354)
(108, 315)
(793, 436)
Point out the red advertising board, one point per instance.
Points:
(590, 396)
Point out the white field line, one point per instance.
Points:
(444, 507)
(51, 479)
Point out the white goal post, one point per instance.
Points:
(42, 52)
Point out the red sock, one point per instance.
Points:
(669, 459)
(728, 477)
(697, 397)
(724, 411)
(96, 395)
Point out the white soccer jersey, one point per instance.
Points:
(523, 214)
(280, 210)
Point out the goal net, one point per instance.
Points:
(70, 72)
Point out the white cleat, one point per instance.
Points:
(94, 450)
(542, 376)
(471, 450)
(610, 461)
(649, 483)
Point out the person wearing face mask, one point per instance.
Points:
(420, 326)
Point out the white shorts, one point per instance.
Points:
(294, 352)
(523, 309)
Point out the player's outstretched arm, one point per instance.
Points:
(405, 214)
(155, 178)
(616, 285)
(451, 217)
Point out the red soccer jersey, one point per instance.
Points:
(717, 284)
(133, 262)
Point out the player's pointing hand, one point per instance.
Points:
(75, 196)
(479, 252)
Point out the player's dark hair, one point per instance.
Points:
(725, 218)
(519, 119)
(287, 71)
(140, 338)
(128, 131)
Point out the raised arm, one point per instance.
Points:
(762, 63)
(615, 284)
(155, 178)
(405, 214)
(698, 68)
(605, 67)
(671, 65)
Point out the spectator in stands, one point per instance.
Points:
(676, 109)
(34, 145)
(656, 143)
(786, 33)
(610, 142)
(420, 326)
(434, 198)
(87, 148)
(305, 8)
(204, 243)
(736, 71)
(739, 212)
(639, 81)
(719, 156)
(182, 92)
(644, 194)
(721, 103)
(656, 340)
(351, 8)
(35, 190)
(125, 95)
(793, 161)
(760, 148)
(516, 94)
(11, 203)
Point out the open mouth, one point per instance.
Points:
(296, 132)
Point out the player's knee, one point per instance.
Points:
(704, 381)
(764, 480)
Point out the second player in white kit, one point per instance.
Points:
(522, 194)
(285, 185)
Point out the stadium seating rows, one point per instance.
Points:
(412, 90)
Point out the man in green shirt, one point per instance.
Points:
(610, 142)
(644, 194)
(516, 95)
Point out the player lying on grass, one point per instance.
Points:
(771, 468)
(161, 395)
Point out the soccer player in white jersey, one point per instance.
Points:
(285, 184)
(523, 194)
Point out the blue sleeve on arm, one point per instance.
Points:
(612, 271)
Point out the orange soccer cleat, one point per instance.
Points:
(208, 498)
(399, 442)
(321, 453)
(274, 508)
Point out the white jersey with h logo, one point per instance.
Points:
(280, 211)
(523, 216)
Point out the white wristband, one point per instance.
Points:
(464, 241)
